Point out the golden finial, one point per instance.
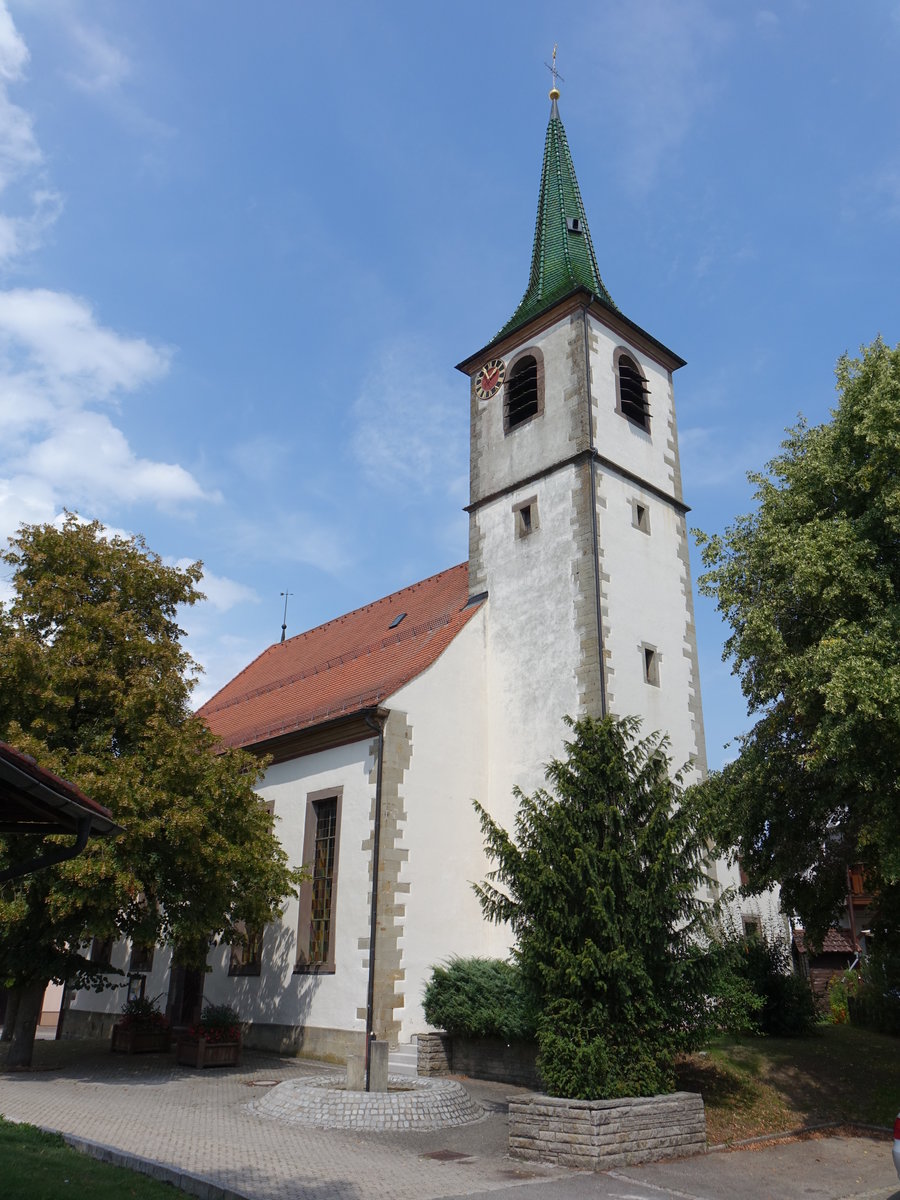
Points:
(554, 91)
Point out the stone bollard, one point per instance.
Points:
(378, 1069)
(378, 1066)
(356, 1072)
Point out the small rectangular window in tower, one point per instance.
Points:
(525, 514)
(651, 657)
(640, 516)
(573, 224)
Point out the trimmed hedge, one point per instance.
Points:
(478, 998)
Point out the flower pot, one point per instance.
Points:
(201, 1053)
(127, 1040)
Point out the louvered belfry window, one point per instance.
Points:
(521, 401)
(322, 881)
(633, 392)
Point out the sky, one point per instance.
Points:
(243, 246)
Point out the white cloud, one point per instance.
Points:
(656, 56)
(766, 20)
(103, 67)
(56, 337)
(410, 427)
(58, 362)
(221, 592)
(86, 459)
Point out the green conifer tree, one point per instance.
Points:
(600, 886)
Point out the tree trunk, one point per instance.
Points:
(22, 1046)
(12, 1008)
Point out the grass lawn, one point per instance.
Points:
(754, 1086)
(40, 1166)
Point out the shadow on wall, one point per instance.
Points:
(276, 1002)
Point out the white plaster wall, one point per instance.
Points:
(646, 603)
(113, 998)
(446, 707)
(533, 650)
(644, 453)
(278, 996)
(531, 446)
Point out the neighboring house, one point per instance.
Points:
(35, 802)
(845, 943)
(385, 723)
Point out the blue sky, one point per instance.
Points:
(242, 247)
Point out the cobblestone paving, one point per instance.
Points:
(199, 1122)
(407, 1104)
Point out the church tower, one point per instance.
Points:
(577, 523)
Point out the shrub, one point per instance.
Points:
(143, 1015)
(218, 1023)
(876, 1004)
(786, 1006)
(841, 989)
(479, 997)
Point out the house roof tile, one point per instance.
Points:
(344, 666)
(837, 941)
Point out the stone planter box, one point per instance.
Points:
(479, 1058)
(202, 1053)
(599, 1135)
(138, 1041)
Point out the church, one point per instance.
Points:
(383, 724)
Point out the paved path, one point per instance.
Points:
(197, 1123)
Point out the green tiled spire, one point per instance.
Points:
(563, 258)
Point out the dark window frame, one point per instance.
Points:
(245, 958)
(510, 381)
(526, 517)
(305, 964)
(141, 960)
(651, 659)
(625, 403)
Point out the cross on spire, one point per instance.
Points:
(551, 67)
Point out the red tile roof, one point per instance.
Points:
(349, 664)
(837, 941)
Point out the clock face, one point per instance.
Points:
(490, 378)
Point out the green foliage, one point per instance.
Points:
(809, 584)
(788, 1008)
(600, 886)
(876, 1004)
(142, 1013)
(840, 991)
(218, 1023)
(479, 997)
(95, 684)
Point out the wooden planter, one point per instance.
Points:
(202, 1053)
(140, 1041)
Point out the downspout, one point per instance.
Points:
(595, 534)
(378, 727)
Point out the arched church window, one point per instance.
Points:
(631, 391)
(523, 391)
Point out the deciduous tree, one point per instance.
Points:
(809, 583)
(95, 683)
